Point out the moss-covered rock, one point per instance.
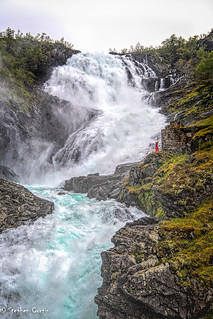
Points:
(168, 185)
(187, 244)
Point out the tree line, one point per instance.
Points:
(21, 54)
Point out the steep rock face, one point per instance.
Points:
(165, 76)
(18, 205)
(178, 139)
(137, 284)
(33, 124)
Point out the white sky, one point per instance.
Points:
(97, 25)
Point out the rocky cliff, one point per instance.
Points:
(98, 186)
(139, 281)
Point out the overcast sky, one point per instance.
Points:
(97, 25)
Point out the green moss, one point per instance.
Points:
(190, 242)
(160, 212)
(150, 204)
(195, 99)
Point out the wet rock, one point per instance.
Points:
(96, 186)
(18, 205)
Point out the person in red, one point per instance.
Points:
(156, 147)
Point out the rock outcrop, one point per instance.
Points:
(97, 186)
(18, 205)
(34, 125)
(166, 187)
(207, 42)
(177, 139)
(137, 284)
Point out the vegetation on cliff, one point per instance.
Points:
(24, 60)
(187, 244)
(180, 186)
(22, 55)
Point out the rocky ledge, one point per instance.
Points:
(98, 186)
(138, 283)
(18, 205)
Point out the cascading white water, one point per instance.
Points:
(51, 269)
(125, 125)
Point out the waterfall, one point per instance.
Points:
(125, 124)
(51, 268)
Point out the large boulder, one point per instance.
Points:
(18, 205)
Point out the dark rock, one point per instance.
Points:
(172, 94)
(150, 84)
(18, 205)
(8, 174)
(57, 55)
(98, 186)
(136, 284)
(154, 62)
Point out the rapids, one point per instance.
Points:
(53, 266)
